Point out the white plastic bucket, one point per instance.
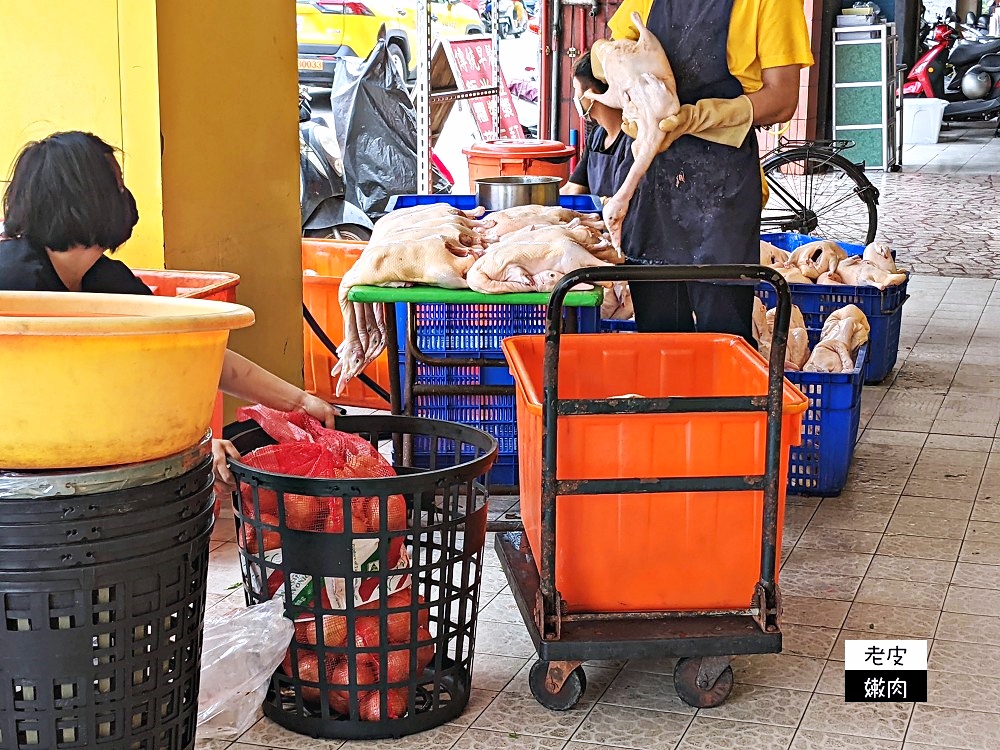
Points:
(922, 120)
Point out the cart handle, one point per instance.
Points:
(775, 393)
(597, 275)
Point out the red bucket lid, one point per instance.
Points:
(521, 148)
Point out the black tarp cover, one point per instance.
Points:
(376, 126)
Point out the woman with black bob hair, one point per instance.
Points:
(66, 205)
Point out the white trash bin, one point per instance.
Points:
(922, 120)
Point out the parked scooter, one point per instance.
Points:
(326, 213)
(976, 28)
(972, 88)
(967, 31)
(927, 76)
(505, 18)
(980, 85)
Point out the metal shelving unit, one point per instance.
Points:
(866, 94)
(425, 97)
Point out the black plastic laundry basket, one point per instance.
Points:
(102, 587)
(372, 666)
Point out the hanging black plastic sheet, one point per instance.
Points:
(376, 124)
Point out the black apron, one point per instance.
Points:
(606, 170)
(699, 202)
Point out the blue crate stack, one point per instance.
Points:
(820, 464)
(470, 331)
(884, 309)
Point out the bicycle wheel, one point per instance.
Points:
(817, 191)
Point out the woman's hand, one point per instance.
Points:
(318, 409)
(225, 483)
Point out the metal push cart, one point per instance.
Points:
(704, 640)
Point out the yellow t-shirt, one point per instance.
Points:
(762, 34)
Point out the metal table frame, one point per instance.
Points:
(403, 391)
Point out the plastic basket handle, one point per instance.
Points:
(893, 310)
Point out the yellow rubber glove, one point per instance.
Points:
(725, 121)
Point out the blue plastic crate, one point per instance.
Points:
(819, 466)
(461, 330)
(431, 375)
(503, 474)
(581, 203)
(618, 326)
(883, 309)
(884, 345)
(790, 241)
(883, 338)
(495, 415)
(817, 301)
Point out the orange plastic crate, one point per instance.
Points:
(324, 263)
(670, 551)
(214, 285)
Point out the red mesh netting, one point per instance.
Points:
(308, 449)
(347, 451)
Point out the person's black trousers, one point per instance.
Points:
(671, 307)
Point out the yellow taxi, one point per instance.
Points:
(332, 29)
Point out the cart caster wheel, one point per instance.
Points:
(686, 684)
(571, 693)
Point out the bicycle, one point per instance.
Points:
(816, 190)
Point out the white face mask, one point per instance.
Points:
(584, 115)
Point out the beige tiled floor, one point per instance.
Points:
(937, 213)
(911, 548)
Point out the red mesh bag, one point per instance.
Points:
(308, 449)
(302, 512)
(346, 450)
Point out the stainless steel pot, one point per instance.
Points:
(498, 193)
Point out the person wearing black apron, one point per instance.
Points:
(607, 156)
(700, 201)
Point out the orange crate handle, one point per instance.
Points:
(550, 615)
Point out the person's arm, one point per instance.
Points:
(777, 100)
(571, 188)
(783, 49)
(249, 381)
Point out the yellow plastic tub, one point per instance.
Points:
(104, 379)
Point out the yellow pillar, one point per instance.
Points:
(218, 81)
(229, 117)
